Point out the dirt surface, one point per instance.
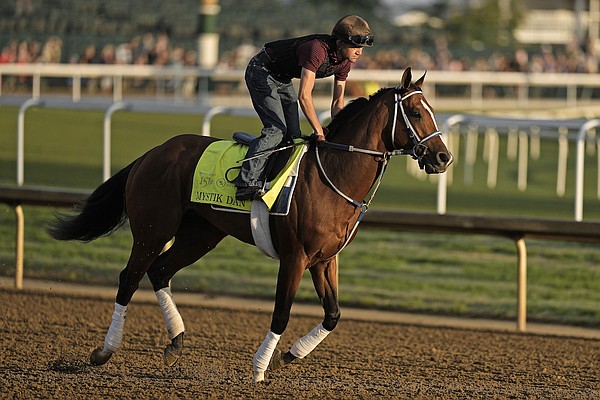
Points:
(46, 340)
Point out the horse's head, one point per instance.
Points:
(417, 128)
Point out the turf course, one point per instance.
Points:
(447, 274)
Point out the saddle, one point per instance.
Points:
(219, 165)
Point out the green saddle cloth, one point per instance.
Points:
(213, 176)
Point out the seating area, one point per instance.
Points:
(79, 23)
(244, 26)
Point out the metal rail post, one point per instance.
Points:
(563, 154)
(35, 102)
(579, 166)
(521, 284)
(442, 188)
(107, 136)
(523, 161)
(209, 116)
(19, 245)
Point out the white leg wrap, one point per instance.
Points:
(264, 353)
(307, 343)
(170, 312)
(114, 337)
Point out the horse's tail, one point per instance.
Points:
(98, 215)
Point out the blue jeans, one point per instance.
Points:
(276, 104)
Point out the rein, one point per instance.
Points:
(417, 152)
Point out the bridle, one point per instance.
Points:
(418, 151)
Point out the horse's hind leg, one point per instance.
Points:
(142, 255)
(194, 239)
(325, 279)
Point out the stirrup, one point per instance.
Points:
(249, 193)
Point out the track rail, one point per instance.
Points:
(514, 228)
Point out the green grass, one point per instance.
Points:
(442, 273)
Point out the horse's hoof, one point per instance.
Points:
(259, 377)
(171, 355)
(280, 360)
(173, 351)
(276, 360)
(99, 356)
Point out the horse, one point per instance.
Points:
(153, 192)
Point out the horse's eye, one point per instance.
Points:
(415, 113)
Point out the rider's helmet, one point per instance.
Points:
(353, 30)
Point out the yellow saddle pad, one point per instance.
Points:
(213, 176)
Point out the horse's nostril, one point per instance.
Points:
(443, 158)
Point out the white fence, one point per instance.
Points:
(471, 87)
(523, 142)
(523, 135)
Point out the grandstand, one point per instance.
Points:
(39, 26)
(81, 22)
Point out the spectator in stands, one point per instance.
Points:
(162, 50)
(107, 57)
(9, 52)
(89, 57)
(176, 61)
(269, 79)
(140, 83)
(24, 57)
(190, 82)
(52, 50)
(123, 54)
(35, 50)
(148, 47)
(23, 54)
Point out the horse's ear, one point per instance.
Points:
(406, 78)
(419, 83)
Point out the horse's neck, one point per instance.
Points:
(352, 172)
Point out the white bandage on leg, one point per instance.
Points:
(265, 352)
(172, 317)
(307, 343)
(114, 337)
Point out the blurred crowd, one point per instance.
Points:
(148, 49)
(151, 49)
(157, 49)
(572, 58)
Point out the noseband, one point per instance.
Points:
(419, 149)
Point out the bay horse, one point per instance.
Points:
(154, 193)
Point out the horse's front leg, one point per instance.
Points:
(325, 279)
(288, 280)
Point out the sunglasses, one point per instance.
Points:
(361, 40)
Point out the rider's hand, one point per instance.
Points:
(321, 137)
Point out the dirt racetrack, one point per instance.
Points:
(46, 339)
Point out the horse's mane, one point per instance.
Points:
(352, 111)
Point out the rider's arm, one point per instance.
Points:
(307, 83)
(337, 101)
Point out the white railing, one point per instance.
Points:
(523, 141)
(521, 84)
(523, 132)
